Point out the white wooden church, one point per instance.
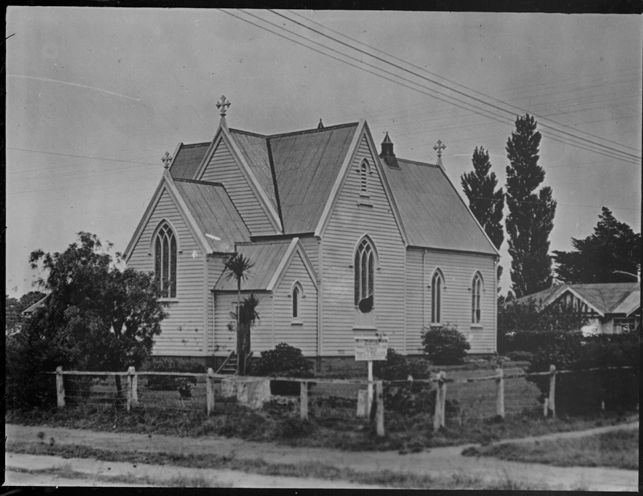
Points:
(346, 240)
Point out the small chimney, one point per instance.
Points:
(387, 152)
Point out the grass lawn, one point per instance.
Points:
(619, 449)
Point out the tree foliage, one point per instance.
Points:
(486, 202)
(445, 345)
(531, 212)
(97, 317)
(613, 246)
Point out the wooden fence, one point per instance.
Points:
(441, 381)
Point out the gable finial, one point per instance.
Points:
(320, 125)
(166, 159)
(223, 105)
(439, 147)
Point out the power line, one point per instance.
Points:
(452, 89)
(79, 156)
(459, 104)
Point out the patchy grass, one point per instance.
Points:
(386, 478)
(337, 429)
(618, 449)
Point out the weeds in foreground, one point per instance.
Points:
(618, 449)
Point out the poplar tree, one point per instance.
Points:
(531, 212)
(485, 201)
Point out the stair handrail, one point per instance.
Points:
(225, 362)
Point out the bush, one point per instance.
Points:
(532, 341)
(445, 346)
(168, 383)
(398, 367)
(584, 390)
(520, 356)
(284, 360)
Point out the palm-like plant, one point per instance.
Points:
(238, 268)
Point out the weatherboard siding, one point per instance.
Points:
(224, 169)
(348, 222)
(182, 332)
(214, 269)
(302, 331)
(225, 337)
(311, 245)
(458, 269)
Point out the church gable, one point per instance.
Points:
(223, 166)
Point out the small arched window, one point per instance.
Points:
(296, 294)
(476, 291)
(437, 282)
(364, 170)
(165, 261)
(364, 276)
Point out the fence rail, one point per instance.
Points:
(364, 405)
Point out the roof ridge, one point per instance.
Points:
(196, 181)
(203, 143)
(241, 131)
(417, 162)
(266, 242)
(310, 131)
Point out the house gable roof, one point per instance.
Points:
(607, 298)
(433, 213)
(187, 159)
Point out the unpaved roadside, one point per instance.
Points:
(437, 462)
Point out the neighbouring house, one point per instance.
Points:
(611, 308)
(346, 240)
(31, 309)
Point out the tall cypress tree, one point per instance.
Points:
(531, 213)
(485, 201)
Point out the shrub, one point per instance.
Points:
(445, 346)
(520, 356)
(284, 360)
(587, 389)
(169, 383)
(399, 367)
(532, 341)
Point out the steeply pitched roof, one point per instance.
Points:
(35, 306)
(607, 298)
(306, 166)
(187, 159)
(432, 212)
(255, 152)
(266, 257)
(214, 213)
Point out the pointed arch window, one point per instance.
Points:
(437, 283)
(476, 291)
(364, 276)
(296, 296)
(165, 260)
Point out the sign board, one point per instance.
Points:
(369, 348)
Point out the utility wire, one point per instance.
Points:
(452, 89)
(488, 114)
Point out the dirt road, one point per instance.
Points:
(436, 462)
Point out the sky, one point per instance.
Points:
(96, 96)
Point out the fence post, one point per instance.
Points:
(500, 393)
(552, 390)
(60, 387)
(130, 387)
(134, 375)
(379, 393)
(209, 390)
(303, 397)
(440, 396)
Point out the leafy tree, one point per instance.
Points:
(613, 246)
(531, 213)
(104, 318)
(238, 268)
(485, 201)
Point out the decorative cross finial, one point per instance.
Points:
(439, 147)
(167, 158)
(223, 105)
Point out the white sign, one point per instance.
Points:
(369, 348)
